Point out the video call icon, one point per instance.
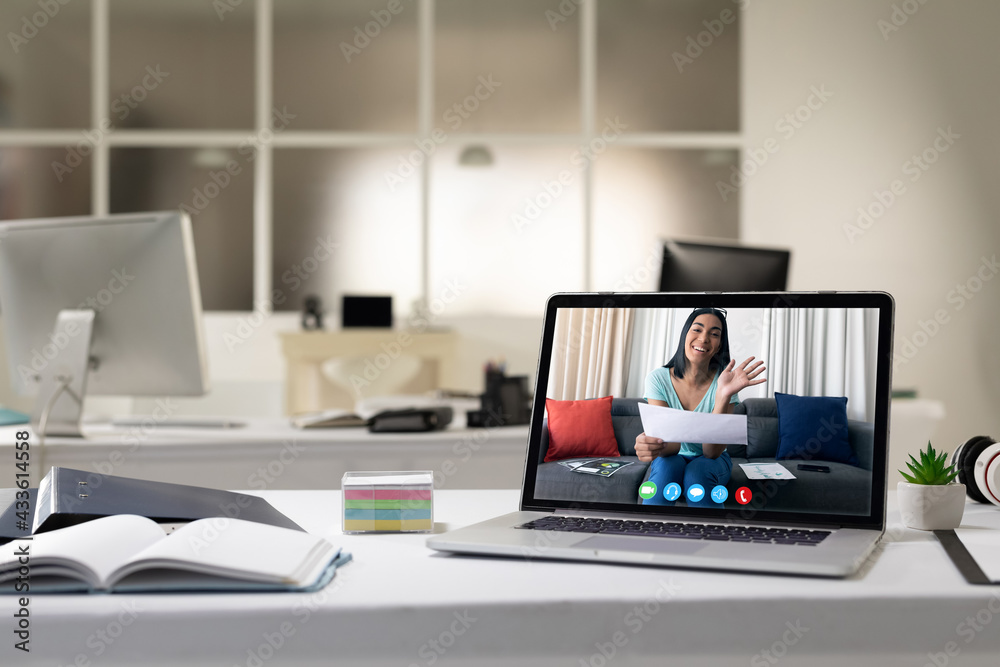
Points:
(647, 490)
(672, 491)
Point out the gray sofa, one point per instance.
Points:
(845, 487)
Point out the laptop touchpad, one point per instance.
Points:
(645, 544)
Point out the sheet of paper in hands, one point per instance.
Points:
(672, 425)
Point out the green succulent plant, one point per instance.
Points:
(930, 469)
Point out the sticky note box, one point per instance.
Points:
(397, 502)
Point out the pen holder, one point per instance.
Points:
(388, 502)
(506, 400)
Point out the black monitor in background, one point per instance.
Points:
(366, 311)
(711, 267)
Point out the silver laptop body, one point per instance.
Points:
(825, 514)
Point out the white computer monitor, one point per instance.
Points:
(105, 305)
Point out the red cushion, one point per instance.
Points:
(580, 428)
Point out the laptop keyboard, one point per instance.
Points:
(677, 530)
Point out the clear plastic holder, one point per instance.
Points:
(388, 502)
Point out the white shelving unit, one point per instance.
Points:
(263, 177)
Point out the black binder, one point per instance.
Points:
(411, 420)
(67, 497)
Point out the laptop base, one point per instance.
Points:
(840, 555)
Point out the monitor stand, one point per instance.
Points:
(63, 379)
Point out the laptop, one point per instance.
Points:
(801, 491)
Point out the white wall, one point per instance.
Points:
(889, 97)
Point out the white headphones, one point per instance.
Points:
(978, 465)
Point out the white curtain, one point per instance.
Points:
(654, 343)
(823, 352)
(591, 353)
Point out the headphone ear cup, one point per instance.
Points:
(988, 473)
(956, 459)
(967, 464)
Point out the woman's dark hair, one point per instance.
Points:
(719, 360)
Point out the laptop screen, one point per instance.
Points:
(740, 406)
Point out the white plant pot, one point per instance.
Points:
(929, 507)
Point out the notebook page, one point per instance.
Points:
(237, 548)
(100, 545)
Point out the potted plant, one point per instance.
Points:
(930, 499)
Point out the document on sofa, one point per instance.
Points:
(601, 467)
(766, 471)
(127, 552)
(672, 425)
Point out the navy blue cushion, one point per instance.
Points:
(813, 427)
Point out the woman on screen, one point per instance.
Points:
(699, 377)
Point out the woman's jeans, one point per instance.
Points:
(688, 471)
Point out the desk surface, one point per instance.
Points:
(399, 603)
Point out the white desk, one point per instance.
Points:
(305, 351)
(270, 454)
(401, 604)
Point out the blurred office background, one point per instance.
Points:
(475, 156)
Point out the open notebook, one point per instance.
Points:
(131, 553)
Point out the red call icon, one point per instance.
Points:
(743, 495)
